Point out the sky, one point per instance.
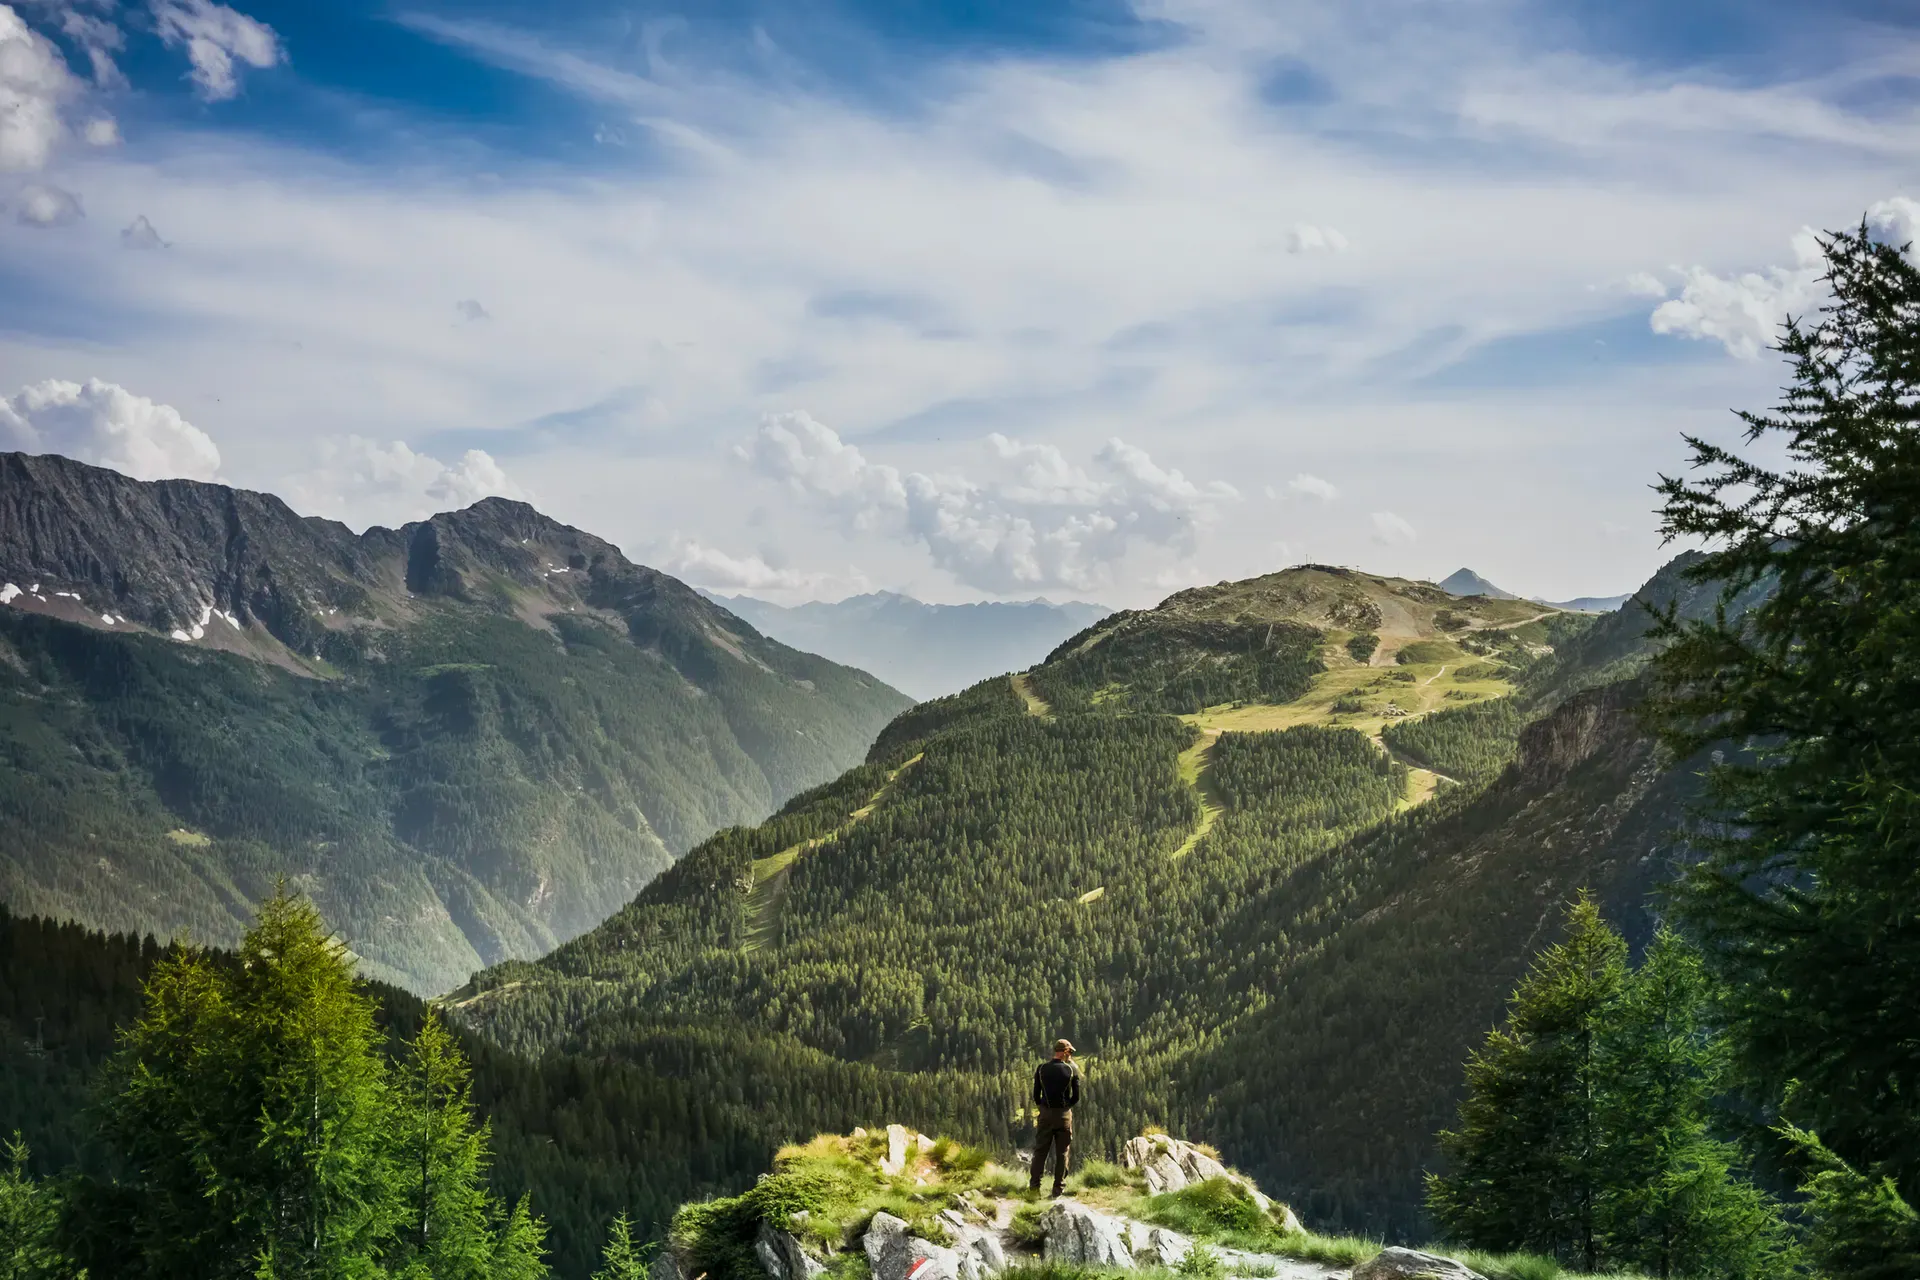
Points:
(983, 300)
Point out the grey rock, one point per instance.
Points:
(782, 1257)
(667, 1266)
(1079, 1235)
(892, 1254)
(1411, 1264)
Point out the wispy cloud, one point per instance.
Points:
(1138, 245)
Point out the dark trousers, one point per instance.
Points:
(1055, 1135)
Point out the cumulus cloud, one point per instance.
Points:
(109, 426)
(101, 131)
(34, 85)
(140, 234)
(1039, 520)
(1744, 313)
(1307, 238)
(1896, 221)
(1644, 284)
(44, 205)
(215, 37)
(1391, 530)
(1311, 486)
(363, 481)
(716, 570)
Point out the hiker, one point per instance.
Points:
(1056, 1088)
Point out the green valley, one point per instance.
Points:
(468, 739)
(1182, 841)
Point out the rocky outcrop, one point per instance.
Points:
(1171, 1165)
(783, 1257)
(892, 1254)
(1411, 1264)
(1084, 1237)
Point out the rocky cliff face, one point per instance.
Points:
(226, 568)
(470, 738)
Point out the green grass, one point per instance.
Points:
(1426, 651)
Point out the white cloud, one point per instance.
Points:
(140, 234)
(34, 85)
(716, 570)
(1128, 274)
(1312, 486)
(471, 311)
(365, 482)
(41, 204)
(1391, 530)
(108, 426)
(1644, 284)
(1039, 521)
(1307, 238)
(1897, 221)
(215, 36)
(1744, 313)
(101, 40)
(101, 131)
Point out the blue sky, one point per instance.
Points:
(993, 299)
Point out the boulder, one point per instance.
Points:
(896, 1158)
(1081, 1236)
(1156, 1246)
(892, 1254)
(667, 1266)
(1170, 1165)
(1165, 1174)
(1411, 1264)
(782, 1257)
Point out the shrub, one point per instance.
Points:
(1361, 647)
(1100, 1173)
(1210, 1209)
(1025, 1227)
(1348, 707)
(1200, 1263)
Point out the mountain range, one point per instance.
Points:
(1465, 582)
(926, 650)
(469, 738)
(1272, 854)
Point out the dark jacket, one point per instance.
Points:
(1056, 1085)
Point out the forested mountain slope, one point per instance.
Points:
(1272, 854)
(466, 738)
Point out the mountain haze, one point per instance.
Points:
(926, 650)
(468, 738)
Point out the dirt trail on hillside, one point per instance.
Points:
(1194, 763)
(1036, 705)
(770, 874)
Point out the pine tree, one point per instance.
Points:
(1525, 1172)
(621, 1258)
(252, 1108)
(1805, 903)
(1861, 1228)
(440, 1163)
(520, 1252)
(29, 1219)
(1675, 1203)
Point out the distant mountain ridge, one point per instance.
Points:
(1465, 582)
(926, 650)
(468, 738)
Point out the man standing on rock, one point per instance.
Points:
(1056, 1088)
